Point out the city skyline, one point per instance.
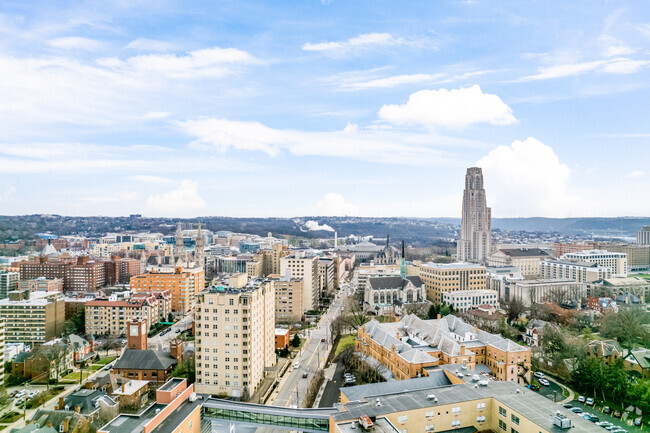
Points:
(324, 108)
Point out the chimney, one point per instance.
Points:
(123, 385)
(176, 349)
(66, 424)
(49, 424)
(462, 349)
(475, 329)
(61, 404)
(438, 317)
(76, 408)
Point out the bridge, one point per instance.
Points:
(314, 420)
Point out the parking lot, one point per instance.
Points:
(597, 411)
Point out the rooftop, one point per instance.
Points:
(457, 265)
(524, 252)
(171, 384)
(380, 425)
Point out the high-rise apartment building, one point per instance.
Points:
(33, 318)
(582, 272)
(440, 278)
(643, 236)
(81, 274)
(300, 265)
(108, 317)
(8, 283)
(235, 338)
(184, 285)
(475, 240)
(288, 298)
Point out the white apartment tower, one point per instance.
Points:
(235, 338)
(475, 240)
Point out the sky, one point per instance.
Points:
(302, 108)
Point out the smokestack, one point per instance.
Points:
(336, 243)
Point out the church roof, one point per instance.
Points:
(393, 282)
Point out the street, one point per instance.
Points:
(161, 342)
(311, 358)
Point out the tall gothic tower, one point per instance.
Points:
(179, 248)
(199, 249)
(475, 240)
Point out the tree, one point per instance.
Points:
(295, 341)
(77, 323)
(433, 311)
(514, 309)
(626, 327)
(419, 310)
(4, 397)
(187, 369)
(170, 317)
(553, 341)
(109, 342)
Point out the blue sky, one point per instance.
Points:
(370, 108)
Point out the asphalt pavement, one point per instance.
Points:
(312, 357)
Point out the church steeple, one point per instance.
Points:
(179, 248)
(199, 248)
(403, 264)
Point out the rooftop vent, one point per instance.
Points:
(431, 396)
(561, 420)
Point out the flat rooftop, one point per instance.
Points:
(124, 423)
(457, 265)
(172, 383)
(380, 425)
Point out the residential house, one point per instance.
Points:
(638, 362)
(91, 404)
(535, 331)
(608, 350)
(602, 305)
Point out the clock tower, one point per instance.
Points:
(137, 334)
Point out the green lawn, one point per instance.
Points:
(106, 360)
(71, 376)
(11, 417)
(346, 342)
(96, 367)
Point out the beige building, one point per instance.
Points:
(8, 282)
(541, 291)
(42, 284)
(326, 275)
(617, 262)
(468, 299)
(288, 298)
(33, 318)
(306, 267)
(475, 242)
(106, 317)
(583, 272)
(183, 283)
(526, 259)
(441, 278)
(372, 270)
(638, 256)
(235, 338)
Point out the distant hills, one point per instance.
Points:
(416, 230)
(615, 226)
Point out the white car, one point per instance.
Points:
(32, 394)
(539, 375)
(296, 364)
(544, 382)
(20, 394)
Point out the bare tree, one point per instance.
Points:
(514, 309)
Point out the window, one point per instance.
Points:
(455, 410)
(480, 406)
(402, 418)
(430, 414)
(502, 425)
(512, 430)
(429, 427)
(231, 302)
(502, 411)
(480, 418)
(515, 419)
(455, 423)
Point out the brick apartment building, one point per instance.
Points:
(42, 284)
(184, 285)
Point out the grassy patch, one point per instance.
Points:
(95, 367)
(106, 360)
(11, 417)
(71, 376)
(346, 342)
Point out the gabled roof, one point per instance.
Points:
(640, 356)
(134, 359)
(393, 282)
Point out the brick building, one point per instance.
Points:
(183, 284)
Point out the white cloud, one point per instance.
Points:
(7, 191)
(335, 205)
(76, 43)
(210, 62)
(143, 44)
(181, 201)
(368, 144)
(617, 65)
(455, 108)
(364, 42)
(635, 174)
(394, 81)
(156, 180)
(315, 227)
(156, 115)
(526, 179)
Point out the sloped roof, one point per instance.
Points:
(641, 356)
(134, 359)
(393, 282)
(524, 252)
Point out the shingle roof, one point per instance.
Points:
(524, 252)
(133, 359)
(393, 282)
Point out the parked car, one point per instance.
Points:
(535, 387)
(544, 382)
(177, 331)
(637, 422)
(567, 405)
(607, 410)
(539, 374)
(581, 399)
(613, 427)
(590, 401)
(576, 410)
(616, 414)
(322, 340)
(604, 424)
(304, 375)
(13, 393)
(296, 364)
(20, 394)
